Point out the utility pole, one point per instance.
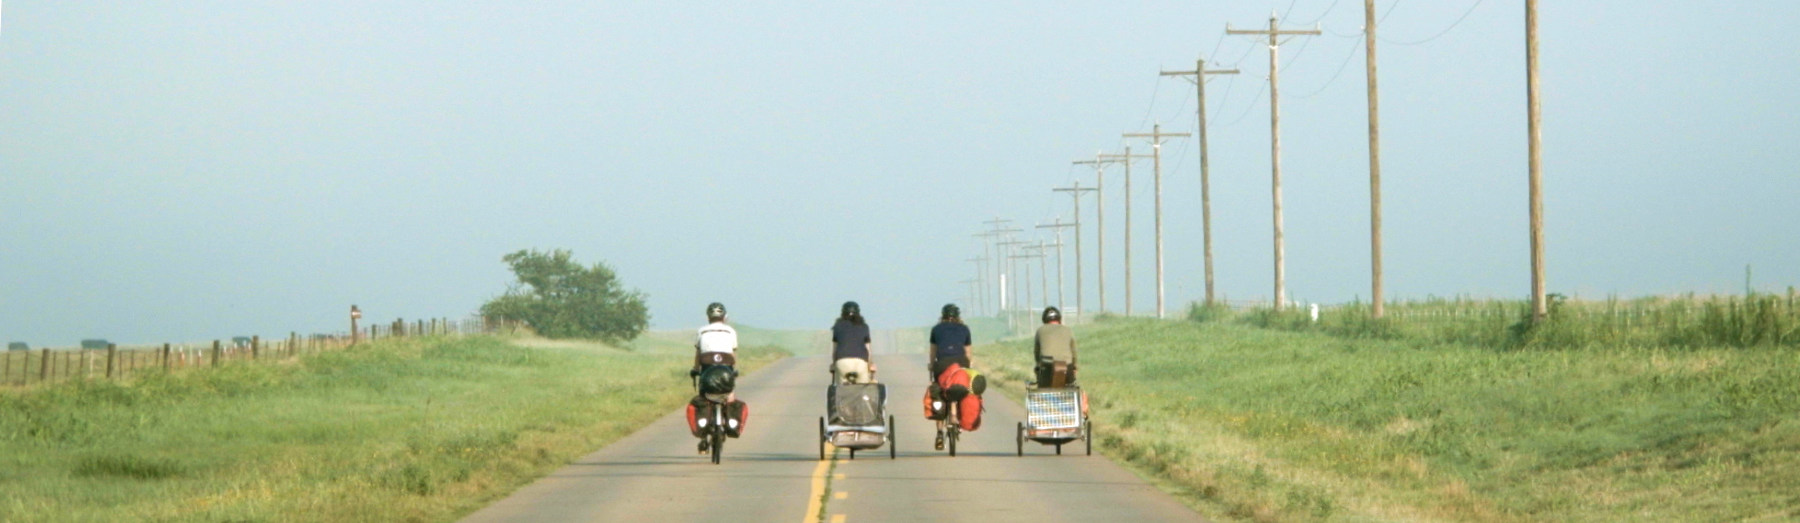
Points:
(1075, 191)
(1058, 226)
(1012, 281)
(978, 299)
(1199, 75)
(1275, 33)
(973, 287)
(1043, 272)
(1156, 137)
(997, 231)
(1539, 307)
(1099, 162)
(1126, 159)
(1025, 254)
(1378, 309)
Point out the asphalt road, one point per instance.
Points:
(773, 472)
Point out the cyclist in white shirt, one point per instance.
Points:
(716, 343)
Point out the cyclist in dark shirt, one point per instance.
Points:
(950, 341)
(850, 347)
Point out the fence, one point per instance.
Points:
(48, 365)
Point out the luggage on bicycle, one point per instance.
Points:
(935, 407)
(968, 413)
(717, 379)
(699, 409)
(955, 385)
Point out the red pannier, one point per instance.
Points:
(953, 386)
(700, 407)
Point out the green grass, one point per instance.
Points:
(416, 429)
(1758, 320)
(1266, 424)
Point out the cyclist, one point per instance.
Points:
(950, 342)
(716, 343)
(1055, 344)
(715, 346)
(850, 347)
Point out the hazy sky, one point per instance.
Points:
(193, 170)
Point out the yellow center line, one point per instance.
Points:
(815, 501)
(840, 495)
(837, 518)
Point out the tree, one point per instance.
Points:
(559, 298)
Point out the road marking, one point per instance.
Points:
(837, 476)
(815, 502)
(837, 518)
(840, 495)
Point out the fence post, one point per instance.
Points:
(44, 367)
(165, 357)
(112, 357)
(215, 353)
(255, 347)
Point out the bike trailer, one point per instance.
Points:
(1054, 413)
(858, 404)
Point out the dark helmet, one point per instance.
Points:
(851, 310)
(1051, 314)
(715, 311)
(950, 311)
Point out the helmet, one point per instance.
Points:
(950, 311)
(1051, 314)
(851, 310)
(715, 311)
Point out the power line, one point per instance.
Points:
(1152, 107)
(1247, 108)
(1334, 76)
(1459, 21)
(1389, 11)
(1328, 9)
(1290, 61)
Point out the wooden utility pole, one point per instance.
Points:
(1099, 162)
(1057, 226)
(1156, 138)
(1378, 308)
(1540, 308)
(1075, 191)
(355, 315)
(1199, 75)
(1011, 278)
(997, 231)
(1126, 159)
(1275, 33)
(977, 299)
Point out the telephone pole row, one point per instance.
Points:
(1199, 75)
(1275, 32)
(1156, 138)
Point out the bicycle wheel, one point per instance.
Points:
(718, 444)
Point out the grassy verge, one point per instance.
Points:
(422, 429)
(1261, 424)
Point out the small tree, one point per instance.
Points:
(559, 298)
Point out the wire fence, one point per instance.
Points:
(31, 367)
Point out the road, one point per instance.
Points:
(773, 473)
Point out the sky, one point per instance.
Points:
(185, 171)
